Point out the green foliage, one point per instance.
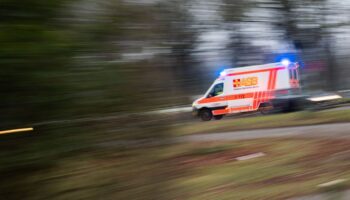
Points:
(59, 59)
(63, 60)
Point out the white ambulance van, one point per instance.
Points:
(247, 89)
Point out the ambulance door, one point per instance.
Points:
(216, 96)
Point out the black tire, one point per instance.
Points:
(266, 109)
(205, 115)
(218, 117)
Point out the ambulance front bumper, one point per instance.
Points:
(195, 112)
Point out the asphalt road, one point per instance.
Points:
(340, 130)
(345, 196)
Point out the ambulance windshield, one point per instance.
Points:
(217, 90)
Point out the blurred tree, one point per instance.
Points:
(34, 53)
(72, 59)
(176, 24)
(234, 13)
(67, 59)
(302, 24)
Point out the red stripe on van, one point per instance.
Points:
(226, 98)
(220, 112)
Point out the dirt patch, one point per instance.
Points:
(190, 161)
(292, 178)
(299, 177)
(326, 150)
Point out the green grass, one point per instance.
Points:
(281, 174)
(342, 101)
(69, 162)
(62, 166)
(270, 121)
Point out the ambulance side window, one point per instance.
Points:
(290, 74)
(293, 74)
(217, 90)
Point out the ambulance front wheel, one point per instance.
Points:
(205, 114)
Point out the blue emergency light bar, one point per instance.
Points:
(223, 73)
(285, 62)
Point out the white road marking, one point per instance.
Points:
(332, 183)
(251, 156)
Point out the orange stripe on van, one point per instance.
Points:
(239, 96)
(270, 80)
(255, 101)
(258, 100)
(231, 110)
(226, 98)
(273, 86)
(239, 109)
(221, 112)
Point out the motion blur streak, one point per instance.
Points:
(16, 130)
(107, 86)
(325, 98)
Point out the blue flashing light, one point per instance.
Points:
(285, 62)
(291, 57)
(223, 73)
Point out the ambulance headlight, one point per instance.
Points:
(285, 62)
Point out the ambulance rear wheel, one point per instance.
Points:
(218, 117)
(205, 115)
(266, 108)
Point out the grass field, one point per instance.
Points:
(271, 121)
(290, 167)
(67, 162)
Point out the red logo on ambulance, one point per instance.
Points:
(245, 82)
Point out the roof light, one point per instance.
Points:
(223, 73)
(285, 62)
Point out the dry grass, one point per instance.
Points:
(258, 122)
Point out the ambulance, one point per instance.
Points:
(247, 89)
